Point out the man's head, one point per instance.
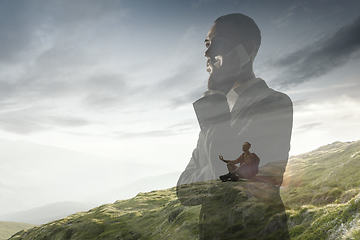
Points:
(229, 31)
(246, 146)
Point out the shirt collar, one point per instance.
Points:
(234, 93)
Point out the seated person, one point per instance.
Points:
(249, 165)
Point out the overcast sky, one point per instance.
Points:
(117, 79)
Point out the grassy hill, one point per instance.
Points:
(329, 174)
(321, 193)
(148, 214)
(9, 228)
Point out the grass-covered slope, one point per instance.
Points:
(154, 215)
(320, 193)
(9, 228)
(159, 215)
(329, 174)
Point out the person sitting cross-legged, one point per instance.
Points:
(249, 165)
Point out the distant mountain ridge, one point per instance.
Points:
(321, 192)
(33, 175)
(47, 213)
(145, 184)
(53, 211)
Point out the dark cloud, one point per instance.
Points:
(48, 47)
(321, 57)
(16, 23)
(27, 26)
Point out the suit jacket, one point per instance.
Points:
(260, 116)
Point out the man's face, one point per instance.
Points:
(219, 41)
(245, 147)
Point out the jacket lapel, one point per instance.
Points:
(247, 101)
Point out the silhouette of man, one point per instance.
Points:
(248, 168)
(237, 107)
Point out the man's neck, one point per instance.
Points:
(243, 78)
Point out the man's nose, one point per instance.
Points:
(208, 53)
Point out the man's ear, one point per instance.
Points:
(250, 47)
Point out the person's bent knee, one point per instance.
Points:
(231, 166)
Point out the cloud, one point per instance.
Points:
(27, 121)
(283, 21)
(52, 41)
(348, 117)
(196, 4)
(28, 25)
(300, 102)
(189, 124)
(182, 78)
(338, 9)
(180, 88)
(16, 23)
(67, 121)
(310, 126)
(176, 129)
(105, 90)
(149, 134)
(187, 98)
(287, 19)
(320, 58)
(18, 124)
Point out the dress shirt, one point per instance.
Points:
(234, 93)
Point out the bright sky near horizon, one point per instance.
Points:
(117, 78)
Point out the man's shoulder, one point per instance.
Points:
(268, 94)
(273, 98)
(265, 100)
(280, 97)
